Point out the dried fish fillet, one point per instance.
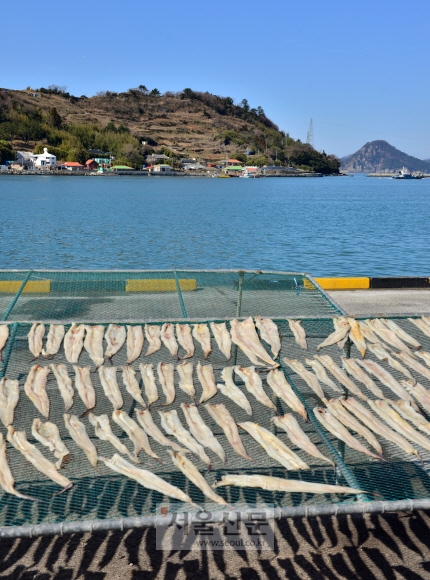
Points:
(238, 340)
(137, 436)
(356, 336)
(421, 325)
(35, 339)
(321, 374)
(190, 470)
(115, 337)
(420, 393)
(54, 340)
(339, 323)
(147, 423)
(166, 377)
(386, 378)
(146, 478)
(299, 332)
(201, 431)
(222, 338)
(152, 334)
(4, 335)
(335, 336)
(269, 333)
(7, 483)
(223, 419)
(9, 397)
(280, 484)
(168, 338)
(274, 447)
(183, 334)
(172, 425)
(74, 342)
(132, 385)
(110, 386)
(413, 364)
(250, 337)
(402, 334)
(407, 411)
(64, 383)
(387, 334)
(309, 378)
(232, 391)
(205, 374)
(352, 367)
(148, 379)
(342, 377)
(254, 385)
(35, 388)
(84, 386)
(298, 437)
(279, 385)
(202, 335)
(104, 432)
(49, 435)
(93, 343)
(379, 351)
(185, 372)
(134, 343)
(79, 435)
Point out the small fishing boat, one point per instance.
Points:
(405, 174)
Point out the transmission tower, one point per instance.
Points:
(310, 136)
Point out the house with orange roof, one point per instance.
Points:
(73, 166)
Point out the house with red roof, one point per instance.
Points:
(73, 166)
(91, 164)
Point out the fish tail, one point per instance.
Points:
(64, 489)
(23, 496)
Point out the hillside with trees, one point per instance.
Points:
(137, 122)
(381, 157)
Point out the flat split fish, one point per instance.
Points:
(190, 470)
(115, 337)
(19, 440)
(79, 435)
(421, 325)
(273, 446)
(354, 369)
(387, 334)
(298, 332)
(84, 386)
(339, 411)
(171, 423)
(321, 374)
(336, 336)
(377, 426)
(148, 379)
(223, 419)
(282, 389)
(152, 334)
(74, 342)
(147, 423)
(356, 336)
(49, 435)
(402, 334)
(166, 376)
(110, 386)
(254, 385)
(7, 482)
(35, 388)
(407, 411)
(146, 478)
(280, 484)
(390, 416)
(9, 397)
(232, 391)
(185, 339)
(104, 432)
(64, 383)
(340, 375)
(309, 377)
(420, 393)
(202, 335)
(93, 343)
(222, 338)
(54, 340)
(205, 374)
(425, 356)
(335, 427)
(167, 336)
(136, 435)
(132, 385)
(185, 372)
(386, 378)
(339, 323)
(35, 339)
(368, 333)
(134, 343)
(238, 339)
(269, 333)
(250, 337)
(413, 364)
(200, 431)
(298, 437)
(379, 351)
(4, 335)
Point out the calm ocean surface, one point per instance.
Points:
(325, 226)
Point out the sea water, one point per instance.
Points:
(325, 226)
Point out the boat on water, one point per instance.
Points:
(223, 175)
(405, 174)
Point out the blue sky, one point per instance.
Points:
(359, 69)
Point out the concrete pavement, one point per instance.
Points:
(374, 302)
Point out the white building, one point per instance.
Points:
(44, 159)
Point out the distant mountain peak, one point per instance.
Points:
(381, 157)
